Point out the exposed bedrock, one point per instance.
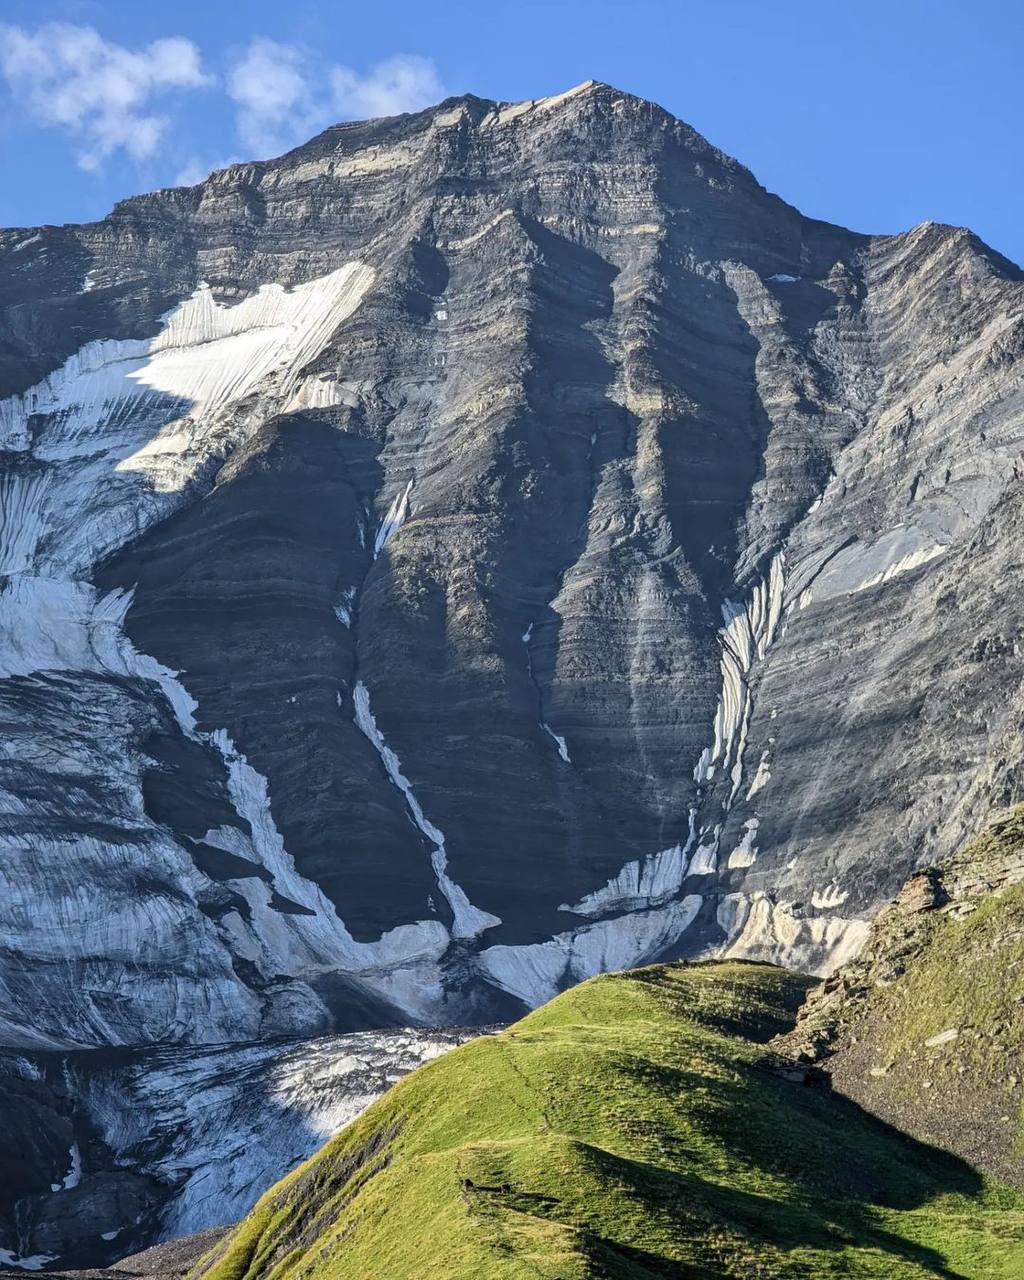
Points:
(478, 549)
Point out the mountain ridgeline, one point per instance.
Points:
(475, 551)
(479, 549)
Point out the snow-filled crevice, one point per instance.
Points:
(345, 608)
(395, 517)
(745, 638)
(467, 921)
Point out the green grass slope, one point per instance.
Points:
(926, 1027)
(637, 1126)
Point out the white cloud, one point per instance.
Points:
(280, 100)
(69, 77)
(402, 83)
(274, 101)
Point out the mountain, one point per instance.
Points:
(636, 1126)
(476, 550)
(715, 1119)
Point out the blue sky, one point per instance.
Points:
(869, 113)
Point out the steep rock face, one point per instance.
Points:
(479, 549)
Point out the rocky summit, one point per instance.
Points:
(477, 550)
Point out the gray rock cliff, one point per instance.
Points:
(572, 541)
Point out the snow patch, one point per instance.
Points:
(397, 515)
(828, 898)
(74, 1174)
(558, 740)
(912, 560)
(315, 393)
(641, 884)
(343, 609)
(535, 973)
(761, 777)
(745, 853)
(33, 1262)
(760, 928)
(864, 565)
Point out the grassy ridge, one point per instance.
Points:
(637, 1126)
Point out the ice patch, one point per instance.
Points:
(558, 740)
(468, 921)
(781, 278)
(761, 777)
(397, 514)
(34, 1262)
(745, 853)
(537, 972)
(641, 884)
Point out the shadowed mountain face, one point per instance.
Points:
(479, 549)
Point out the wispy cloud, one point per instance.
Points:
(281, 97)
(110, 99)
(70, 77)
(402, 83)
(275, 104)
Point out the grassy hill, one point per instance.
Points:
(638, 1126)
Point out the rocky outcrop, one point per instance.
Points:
(924, 1027)
(476, 550)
